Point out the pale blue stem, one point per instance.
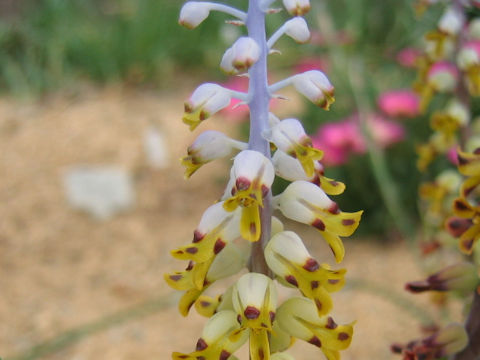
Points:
(276, 35)
(281, 84)
(227, 10)
(259, 96)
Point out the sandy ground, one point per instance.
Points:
(61, 269)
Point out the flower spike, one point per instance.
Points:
(247, 309)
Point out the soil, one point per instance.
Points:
(62, 269)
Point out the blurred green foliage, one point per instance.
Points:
(53, 42)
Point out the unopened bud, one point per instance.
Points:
(461, 277)
(297, 29)
(193, 14)
(241, 56)
(316, 87)
(205, 101)
(208, 146)
(297, 7)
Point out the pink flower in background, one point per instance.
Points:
(399, 103)
(311, 63)
(408, 57)
(385, 132)
(340, 139)
(452, 155)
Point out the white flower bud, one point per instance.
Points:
(287, 134)
(285, 245)
(301, 201)
(246, 52)
(297, 29)
(227, 62)
(205, 101)
(241, 56)
(193, 14)
(316, 87)
(250, 166)
(451, 21)
(297, 7)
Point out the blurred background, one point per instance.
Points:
(93, 196)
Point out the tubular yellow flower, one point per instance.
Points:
(290, 137)
(299, 317)
(291, 169)
(253, 174)
(307, 203)
(288, 258)
(205, 101)
(316, 87)
(221, 337)
(208, 146)
(199, 276)
(216, 228)
(255, 300)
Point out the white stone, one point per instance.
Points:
(101, 191)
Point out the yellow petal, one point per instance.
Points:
(191, 166)
(194, 119)
(343, 223)
(468, 239)
(462, 208)
(469, 185)
(469, 163)
(336, 245)
(330, 186)
(206, 305)
(259, 346)
(188, 299)
(250, 226)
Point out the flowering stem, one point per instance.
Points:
(472, 351)
(259, 105)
